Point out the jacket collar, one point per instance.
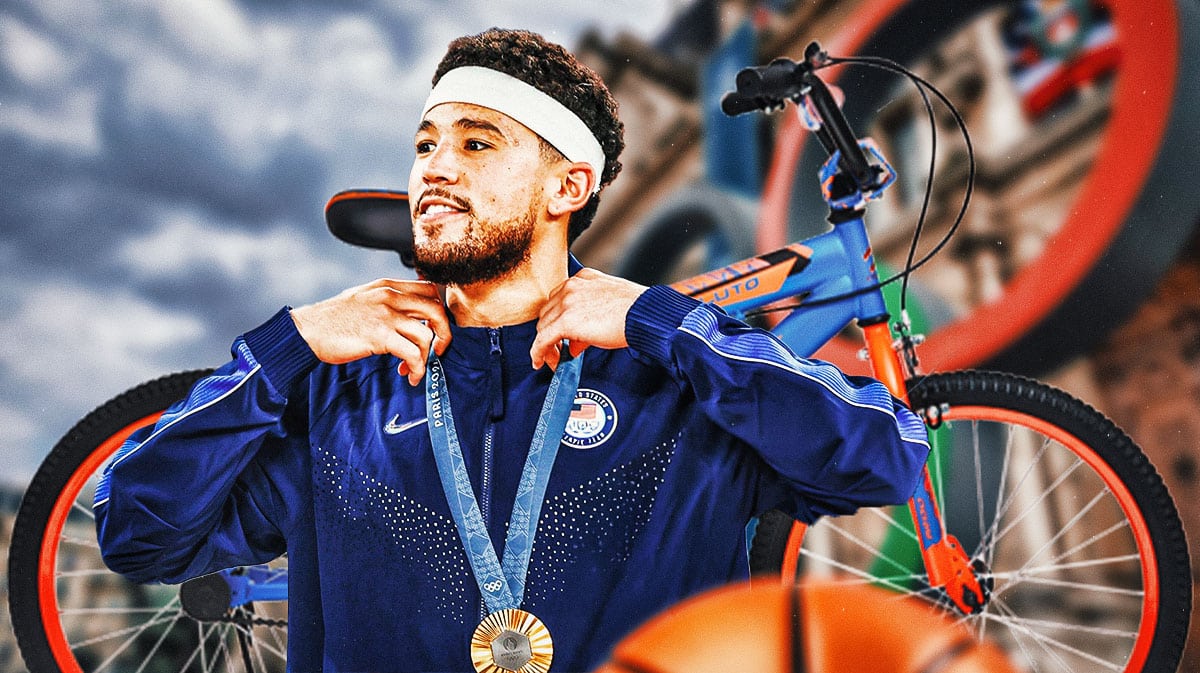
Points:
(472, 346)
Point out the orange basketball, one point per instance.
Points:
(809, 628)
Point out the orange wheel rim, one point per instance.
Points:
(1141, 533)
(48, 558)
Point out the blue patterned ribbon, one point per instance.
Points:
(502, 586)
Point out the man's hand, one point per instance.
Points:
(400, 317)
(588, 309)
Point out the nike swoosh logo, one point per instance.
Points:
(393, 429)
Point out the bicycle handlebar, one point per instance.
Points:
(770, 86)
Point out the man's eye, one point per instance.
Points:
(476, 145)
(425, 146)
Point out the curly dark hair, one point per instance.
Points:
(552, 69)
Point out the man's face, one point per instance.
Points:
(475, 191)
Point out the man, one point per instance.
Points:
(551, 451)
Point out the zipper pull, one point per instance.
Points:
(497, 375)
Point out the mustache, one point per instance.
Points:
(443, 194)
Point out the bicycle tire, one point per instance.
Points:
(70, 613)
(1117, 594)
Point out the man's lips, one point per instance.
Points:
(434, 204)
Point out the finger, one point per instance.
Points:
(439, 325)
(417, 333)
(426, 307)
(551, 356)
(412, 357)
(545, 345)
(410, 286)
(577, 347)
(408, 302)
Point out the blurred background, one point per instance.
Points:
(163, 169)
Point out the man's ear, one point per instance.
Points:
(573, 188)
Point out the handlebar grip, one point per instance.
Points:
(764, 87)
(733, 104)
(768, 86)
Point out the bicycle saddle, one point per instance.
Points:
(372, 218)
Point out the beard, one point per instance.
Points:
(484, 252)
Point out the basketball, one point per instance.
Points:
(807, 628)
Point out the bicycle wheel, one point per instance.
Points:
(71, 614)
(1078, 536)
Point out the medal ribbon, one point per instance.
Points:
(502, 586)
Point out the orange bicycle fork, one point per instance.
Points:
(947, 564)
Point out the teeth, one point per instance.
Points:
(436, 209)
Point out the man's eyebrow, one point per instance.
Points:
(478, 125)
(467, 123)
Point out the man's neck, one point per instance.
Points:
(512, 299)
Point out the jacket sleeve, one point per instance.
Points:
(839, 442)
(197, 492)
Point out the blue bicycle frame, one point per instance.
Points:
(833, 275)
(837, 263)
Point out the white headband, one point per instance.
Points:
(535, 110)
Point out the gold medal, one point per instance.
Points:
(511, 641)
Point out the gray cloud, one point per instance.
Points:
(163, 168)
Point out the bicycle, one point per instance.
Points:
(1067, 549)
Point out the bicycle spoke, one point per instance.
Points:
(93, 572)
(1079, 586)
(869, 548)
(137, 630)
(1047, 642)
(1076, 564)
(1034, 506)
(258, 649)
(863, 576)
(136, 633)
(975, 443)
(111, 635)
(220, 650)
(1074, 628)
(282, 646)
(1063, 531)
(90, 543)
(157, 644)
(202, 636)
(1020, 642)
(72, 612)
(1017, 632)
(1002, 507)
(1093, 539)
(249, 631)
(85, 510)
(1062, 520)
(990, 542)
(884, 513)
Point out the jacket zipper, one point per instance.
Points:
(495, 413)
(489, 435)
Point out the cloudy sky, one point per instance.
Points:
(164, 164)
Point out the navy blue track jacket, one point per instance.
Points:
(675, 443)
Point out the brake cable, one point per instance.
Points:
(923, 86)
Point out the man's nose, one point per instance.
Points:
(441, 166)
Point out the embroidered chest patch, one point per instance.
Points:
(593, 420)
